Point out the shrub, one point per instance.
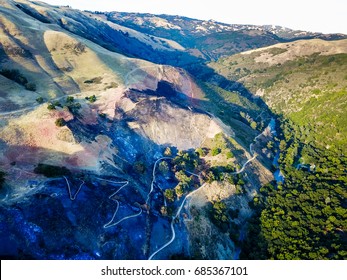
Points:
(51, 107)
(96, 80)
(39, 100)
(112, 85)
(179, 190)
(183, 178)
(270, 145)
(229, 154)
(74, 107)
(16, 76)
(139, 167)
(60, 122)
(164, 167)
(91, 99)
(79, 48)
(215, 151)
(163, 211)
(51, 170)
(168, 152)
(70, 99)
(200, 152)
(219, 215)
(57, 103)
(169, 195)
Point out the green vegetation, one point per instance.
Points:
(313, 91)
(221, 145)
(51, 107)
(169, 195)
(182, 164)
(70, 99)
(73, 106)
(248, 119)
(51, 170)
(227, 105)
(57, 104)
(219, 215)
(215, 151)
(276, 51)
(60, 122)
(16, 76)
(139, 167)
(186, 161)
(304, 217)
(96, 80)
(253, 125)
(91, 99)
(164, 167)
(183, 178)
(180, 190)
(164, 210)
(40, 100)
(168, 152)
(229, 154)
(201, 152)
(228, 99)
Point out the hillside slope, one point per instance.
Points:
(304, 80)
(305, 84)
(101, 150)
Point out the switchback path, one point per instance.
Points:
(190, 194)
(153, 176)
(73, 197)
(111, 223)
(172, 223)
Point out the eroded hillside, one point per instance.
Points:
(101, 152)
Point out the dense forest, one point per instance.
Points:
(306, 216)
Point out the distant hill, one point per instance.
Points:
(212, 39)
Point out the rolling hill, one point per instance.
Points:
(211, 39)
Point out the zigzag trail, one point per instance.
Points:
(111, 223)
